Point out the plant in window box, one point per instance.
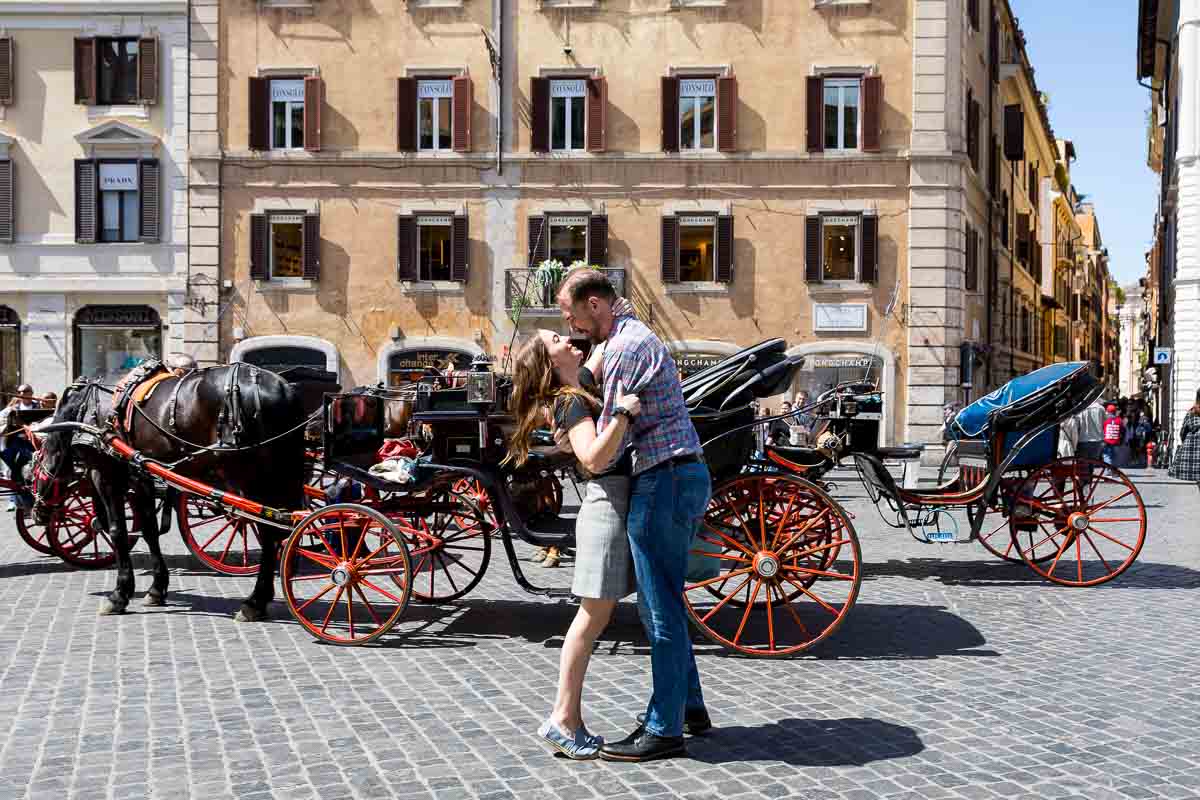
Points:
(549, 273)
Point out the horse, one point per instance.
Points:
(237, 428)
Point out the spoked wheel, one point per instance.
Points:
(784, 561)
(996, 533)
(1089, 517)
(77, 537)
(475, 492)
(33, 532)
(346, 573)
(450, 546)
(222, 541)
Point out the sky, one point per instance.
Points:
(1083, 57)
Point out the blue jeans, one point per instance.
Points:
(667, 504)
(1110, 454)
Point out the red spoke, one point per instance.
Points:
(332, 606)
(1066, 543)
(367, 603)
(1115, 519)
(731, 542)
(813, 550)
(1079, 558)
(446, 569)
(396, 571)
(218, 533)
(1096, 530)
(805, 528)
(787, 604)
(722, 578)
(749, 605)
(317, 557)
(818, 600)
(1043, 541)
(1108, 503)
(725, 600)
(823, 573)
(350, 609)
(316, 596)
(388, 595)
(1100, 556)
(770, 621)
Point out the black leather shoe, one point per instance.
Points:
(643, 746)
(695, 723)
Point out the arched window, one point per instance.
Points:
(10, 350)
(111, 340)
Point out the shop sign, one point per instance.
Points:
(287, 91)
(691, 363)
(842, 362)
(118, 316)
(407, 366)
(118, 177)
(697, 87)
(570, 88)
(434, 89)
(840, 317)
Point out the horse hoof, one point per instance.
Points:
(108, 607)
(249, 614)
(152, 599)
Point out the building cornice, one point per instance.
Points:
(106, 7)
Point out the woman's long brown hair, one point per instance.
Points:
(535, 387)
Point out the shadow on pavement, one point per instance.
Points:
(852, 741)
(1141, 575)
(46, 565)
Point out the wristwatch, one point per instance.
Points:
(621, 411)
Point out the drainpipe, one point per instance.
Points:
(991, 248)
(499, 87)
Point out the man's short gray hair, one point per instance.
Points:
(582, 284)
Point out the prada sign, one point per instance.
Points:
(118, 177)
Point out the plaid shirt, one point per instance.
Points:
(639, 360)
(1186, 464)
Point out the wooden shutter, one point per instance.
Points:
(539, 240)
(994, 168)
(260, 268)
(8, 77)
(86, 201)
(1014, 133)
(147, 71)
(1023, 238)
(815, 98)
(406, 115)
(6, 202)
(460, 244)
(151, 200)
(463, 102)
(670, 120)
(597, 115)
(407, 266)
(670, 250)
(972, 130)
(85, 72)
(994, 49)
(724, 248)
(812, 248)
(259, 114)
(973, 13)
(872, 112)
(971, 261)
(598, 240)
(314, 98)
(727, 103)
(312, 247)
(870, 249)
(539, 115)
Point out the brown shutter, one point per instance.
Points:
(312, 247)
(815, 89)
(1014, 133)
(724, 248)
(147, 71)
(872, 112)
(8, 79)
(151, 200)
(85, 72)
(994, 168)
(6, 202)
(994, 49)
(598, 240)
(86, 201)
(670, 249)
(972, 260)
(597, 115)
(406, 115)
(870, 249)
(463, 102)
(259, 114)
(812, 248)
(407, 266)
(314, 98)
(539, 115)
(1023, 239)
(973, 13)
(459, 248)
(539, 240)
(260, 269)
(727, 103)
(670, 118)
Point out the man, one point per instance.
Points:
(1114, 434)
(1083, 434)
(781, 429)
(802, 424)
(15, 449)
(671, 489)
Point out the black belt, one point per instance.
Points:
(686, 458)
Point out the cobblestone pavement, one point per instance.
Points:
(956, 676)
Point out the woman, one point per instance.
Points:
(1186, 466)
(548, 377)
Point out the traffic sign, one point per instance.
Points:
(1162, 355)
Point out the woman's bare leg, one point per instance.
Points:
(589, 623)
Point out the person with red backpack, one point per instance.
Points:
(1114, 434)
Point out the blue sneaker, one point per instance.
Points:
(581, 746)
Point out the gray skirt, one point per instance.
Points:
(603, 562)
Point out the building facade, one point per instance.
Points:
(93, 177)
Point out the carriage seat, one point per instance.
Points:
(802, 456)
(907, 452)
(876, 475)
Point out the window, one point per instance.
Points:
(116, 71)
(567, 114)
(697, 248)
(10, 350)
(434, 247)
(841, 247)
(972, 130)
(286, 254)
(287, 115)
(409, 366)
(111, 340)
(120, 211)
(117, 75)
(568, 239)
(697, 114)
(839, 237)
(841, 113)
(435, 114)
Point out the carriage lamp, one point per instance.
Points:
(849, 407)
(481, 382)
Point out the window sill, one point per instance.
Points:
(699, 288)
(837, 3)
(448, 288)
(699, 3)
(542, 4)
(298, 285)
(139, 112)
(839, 288)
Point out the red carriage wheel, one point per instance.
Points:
(1089, 522)
(474, 491)
(223, 542)
(787, 558)
(77, 537)
(346, 573)
(33, 532)
(450, 546)
(996, 533)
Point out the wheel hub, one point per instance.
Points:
(1079, 522)
(766, 565)
(341, 575)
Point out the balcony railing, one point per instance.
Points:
(522, 291)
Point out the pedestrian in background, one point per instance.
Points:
(1186, 466)
(1114, 434)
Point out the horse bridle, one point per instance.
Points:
(45, 482)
